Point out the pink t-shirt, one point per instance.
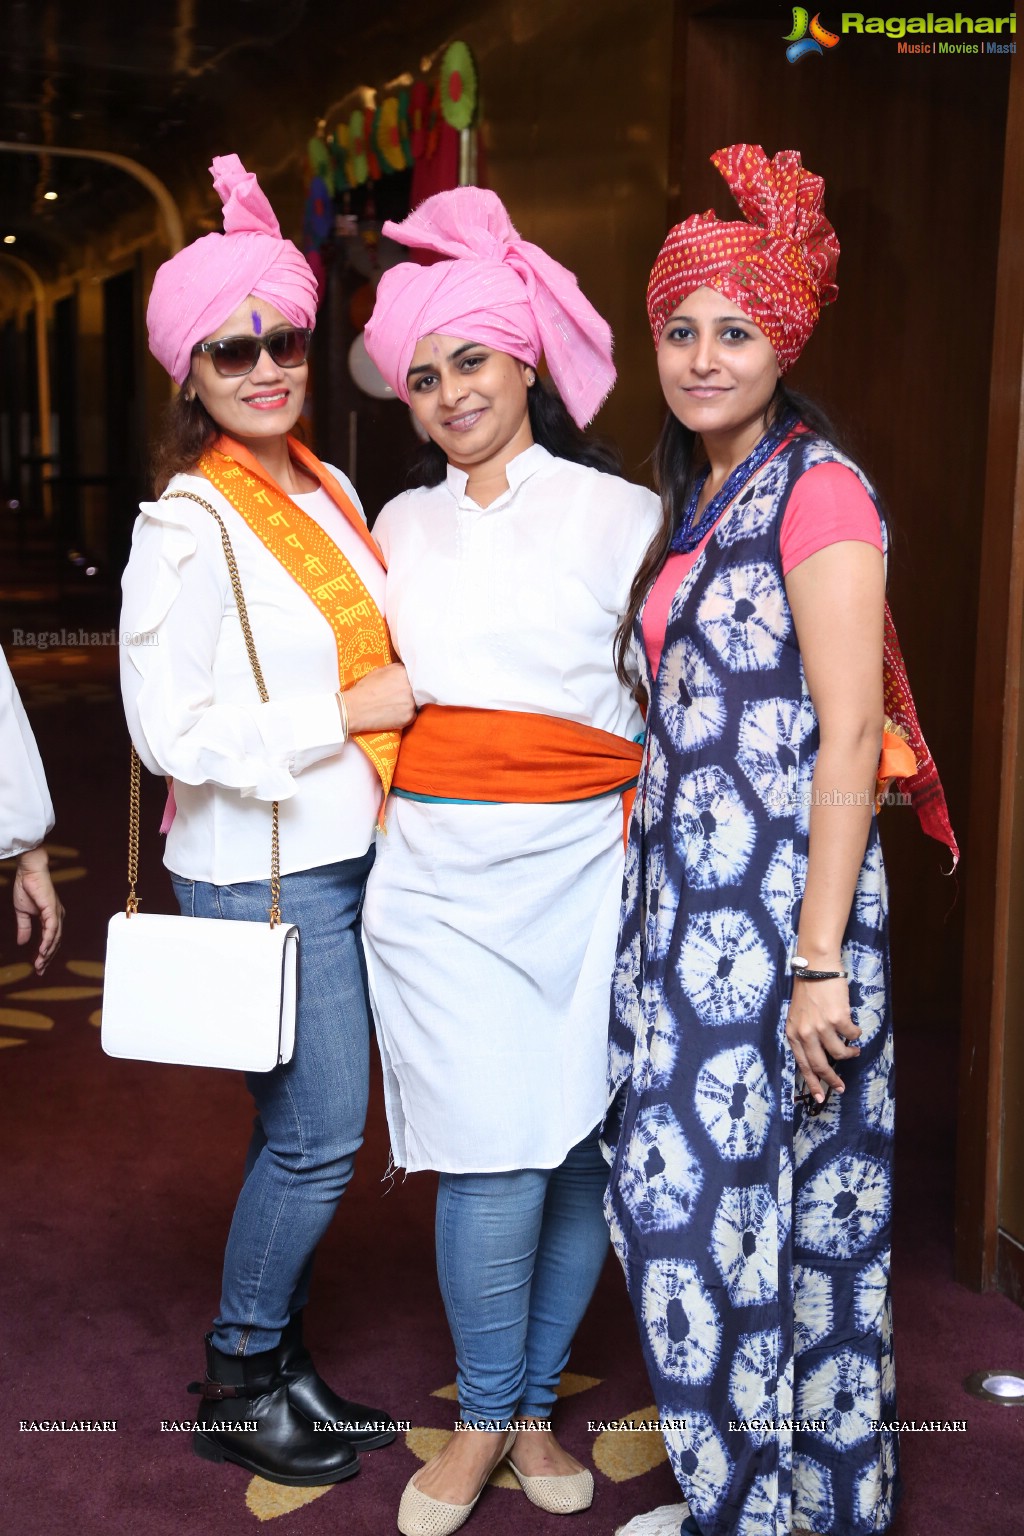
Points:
(828, 505)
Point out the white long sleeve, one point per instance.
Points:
(26, 811)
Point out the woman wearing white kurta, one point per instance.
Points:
(490, 926)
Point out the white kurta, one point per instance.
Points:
(490, 929)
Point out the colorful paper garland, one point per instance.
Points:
(360, 169)
(403, 129)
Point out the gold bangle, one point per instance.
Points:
(343, 712)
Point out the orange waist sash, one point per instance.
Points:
(500, 755)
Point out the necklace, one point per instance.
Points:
(689, 533)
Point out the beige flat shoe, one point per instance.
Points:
(565, 1495)
(420, 1515)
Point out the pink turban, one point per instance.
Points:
(779, 266)
(196, 291)
(496, 289)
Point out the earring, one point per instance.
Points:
(531, 381)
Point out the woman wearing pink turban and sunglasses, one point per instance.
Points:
(751, 1063)
(230, 318)
(490, 919)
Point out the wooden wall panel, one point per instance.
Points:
(576, 109)
(990, 1137)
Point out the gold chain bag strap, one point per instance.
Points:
(257, 672)
(217, 992)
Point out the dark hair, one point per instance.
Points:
(677, 458)
(186, 431)
(552, 427)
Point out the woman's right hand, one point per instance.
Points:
(821, 1032)
(380, 701)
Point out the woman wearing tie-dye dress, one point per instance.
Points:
(753, 965)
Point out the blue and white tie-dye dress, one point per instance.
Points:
(755, 1237)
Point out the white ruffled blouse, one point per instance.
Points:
(191, 700)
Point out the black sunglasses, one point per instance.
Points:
(234, 356)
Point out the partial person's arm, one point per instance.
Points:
(837, 598)
(26, 816)
(26, 811)
(35, 897)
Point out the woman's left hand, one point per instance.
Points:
(819, 1026)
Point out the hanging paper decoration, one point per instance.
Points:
(370, 137)
(458, 86)
(321, 162)
(342, 158)
(419, 110)
(393, 132)
(319, 213)
(424, 127)
(435, 122)
(403, 125)
(388, 138)
(357, 147)
(319, 271)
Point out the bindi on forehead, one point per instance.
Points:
(257, 323)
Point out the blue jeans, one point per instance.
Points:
(310, 1112)
(518, 1257)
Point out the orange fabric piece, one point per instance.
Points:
(451, 752)
(316, 563)
(923, 785)
(897, 760)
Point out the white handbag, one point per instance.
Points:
(201, 991)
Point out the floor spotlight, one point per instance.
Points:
(997, 1387)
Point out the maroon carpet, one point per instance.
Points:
(118, 1185)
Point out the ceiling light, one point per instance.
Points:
(10, 239)
(50, 197)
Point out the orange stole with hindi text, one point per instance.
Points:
(315, 562)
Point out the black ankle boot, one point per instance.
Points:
(366, 1428)
(283, 1447)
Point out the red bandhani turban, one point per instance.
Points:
(779, 266)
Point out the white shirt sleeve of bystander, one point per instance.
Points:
(26, 812)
